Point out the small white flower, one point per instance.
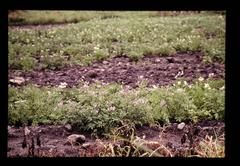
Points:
(95, 48)
(185, 83)
(207, 86)
(154, 87)
(222, 88)
(26, 131)
(179, 82)
(63, 85)
(180, 90)
(141, 77)
(200, 79)
(112, 108)
(210, 75)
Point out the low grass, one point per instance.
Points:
(98, 108)
(134, 34)
(125, 143)
(211, 148)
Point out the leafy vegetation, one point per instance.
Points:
(134, 34)
(99, 108)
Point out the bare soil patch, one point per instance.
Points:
(53, 139)
(156, 70)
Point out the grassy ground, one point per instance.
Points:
(98, 39)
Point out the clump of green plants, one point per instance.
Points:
(99, 108)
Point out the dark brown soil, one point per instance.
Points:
(157, 70)
(53, 139)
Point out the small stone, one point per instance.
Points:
(105, 62)
(75, 139)
(181, 126)
(26, 131)
(17, 80)
(63, 85)
(158, 60)
(68, 127)
(86, 145)
(141, 77)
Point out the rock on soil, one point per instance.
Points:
(181, 126)
(17, 80)
(76, 139)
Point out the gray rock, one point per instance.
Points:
(86, 145)
(17, 80)
(76, 139)
(181, 126)
(26, 131)
(68, 127)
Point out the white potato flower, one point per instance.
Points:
(63, 85)
(180, 90)
(210, 75)
(200, 79)
(222, 88)
(207, 86)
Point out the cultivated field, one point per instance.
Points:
(139, 84)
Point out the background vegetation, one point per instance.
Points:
(134, 34)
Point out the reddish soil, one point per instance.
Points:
(157, 70)
(53, 139)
